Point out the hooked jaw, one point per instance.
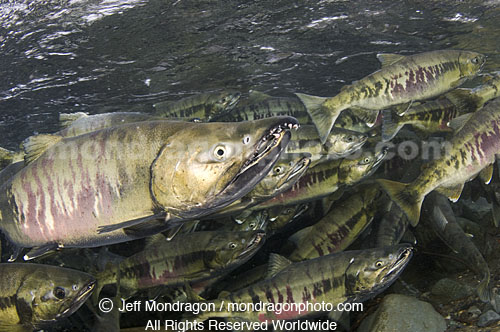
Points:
(80, 298)
(257, 241)
(265, 154)
(403, 258)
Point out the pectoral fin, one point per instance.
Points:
(131, 223)
(36, 252)
(276, 264)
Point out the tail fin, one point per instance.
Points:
(390, 125)
(485, 292)
(466, 100)
(322, 117)
(408, 200)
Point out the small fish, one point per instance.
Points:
(441, 218)
(284, 174)
(326, 178)
(269, 107)
(280, 216)
(130, 181)
(340, 143)
(402, 79)
(471, 150)
(33, 295)
(349, 276)
(192, 257)
(339, 227)
(203, 106)
(435, 115)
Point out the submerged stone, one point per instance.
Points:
(403, 314)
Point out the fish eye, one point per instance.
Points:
(252, 225)
(365, 161)
(278, 169)
(59, 292)
(220, 152)
(246, 139)
(379, 264)
(475, 60)
(232, 245)
(289, 210)
(349, 139)
(75, 287)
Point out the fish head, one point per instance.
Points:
(358, 166)
(233, 248)
(287, 170)
(53, 292)
(252, 221)
(342, 142)
(223, 101)
(373, 270)
(207, 166)
(279, 216)
(470, 63)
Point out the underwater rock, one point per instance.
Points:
(489, 317)
(449, 290)
(403, 314)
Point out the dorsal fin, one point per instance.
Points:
(387, 59)
(276, 264)
(35, 146)
(299, 235)
(257, 96)
(66, 119)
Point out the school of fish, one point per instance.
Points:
(237, 198)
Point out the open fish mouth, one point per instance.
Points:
(80, 298)
(269, 142)
(297, 171)
(404, 257)
(257, 241)
(379, 157)
(265, 154)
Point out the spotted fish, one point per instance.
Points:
(34, 295)
(190, 257)
(130, 181)
(402, 79)
(335, 278)
(471, 150)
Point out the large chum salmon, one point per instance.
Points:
(134, 180)
(401, 79)
(471, 150)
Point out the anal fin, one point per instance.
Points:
(452, 192)
(486, 174)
